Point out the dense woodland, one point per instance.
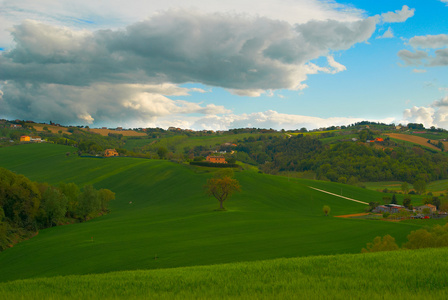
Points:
(345, 161)
(26, 206)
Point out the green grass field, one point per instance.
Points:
(419, 274)
(273, 217)
(439, 186)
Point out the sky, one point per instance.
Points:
(281, 64)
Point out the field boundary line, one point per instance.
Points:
(338, 195)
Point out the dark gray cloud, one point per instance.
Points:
(413, 58)
(229, 51)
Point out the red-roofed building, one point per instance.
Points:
(216, 159)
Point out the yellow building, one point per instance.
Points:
(25, 138)
(110, 152)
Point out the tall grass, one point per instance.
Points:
(388, 275)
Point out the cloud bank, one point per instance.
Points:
(129, 75)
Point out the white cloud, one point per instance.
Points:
(387, 34)
(444, 1)
(99, 103)
(272, 119)
(434, 115)
(423, 115)
(398, 16)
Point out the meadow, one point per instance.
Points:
(418, 274)
(161, 211)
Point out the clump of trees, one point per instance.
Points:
(387, 243)
(26, 206)
(434, 237)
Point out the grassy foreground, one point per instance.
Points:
(418, 274)
(161, 209)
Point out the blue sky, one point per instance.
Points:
(213, 65)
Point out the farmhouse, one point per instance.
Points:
(25, 138)
(431, 207)
(389, 208)
(36, 139)
(110, 152)
(216, 159)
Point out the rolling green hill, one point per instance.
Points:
(418, 274)
(161, 209)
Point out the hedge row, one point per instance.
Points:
(214, 165)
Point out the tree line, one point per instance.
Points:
(27, 206)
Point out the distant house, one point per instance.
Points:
(14, 126)
(110, 152)
(216, 159)
(36, 139)
(389, 208)
(379, 139)
(25, 138)
(431, 207)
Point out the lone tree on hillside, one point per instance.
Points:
(222, 186)
(326, 210)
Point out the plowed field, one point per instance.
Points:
(413, 139)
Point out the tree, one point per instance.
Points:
(407, 202)
(420, 186)
(387, 243)
(326, 210)
(54, 206)
(394, 199)
(88, 202)
(161, 152)
(222, 186)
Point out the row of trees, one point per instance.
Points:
(26, 206)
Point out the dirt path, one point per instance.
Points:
(338, 195)
(413, 139)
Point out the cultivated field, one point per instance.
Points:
(53, 129)
(413, 139)
(161, 211)
(105, 132)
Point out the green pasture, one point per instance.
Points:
(132, 144)
(418, 274)
(161, 210)
(439, 186)
(432, 135)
